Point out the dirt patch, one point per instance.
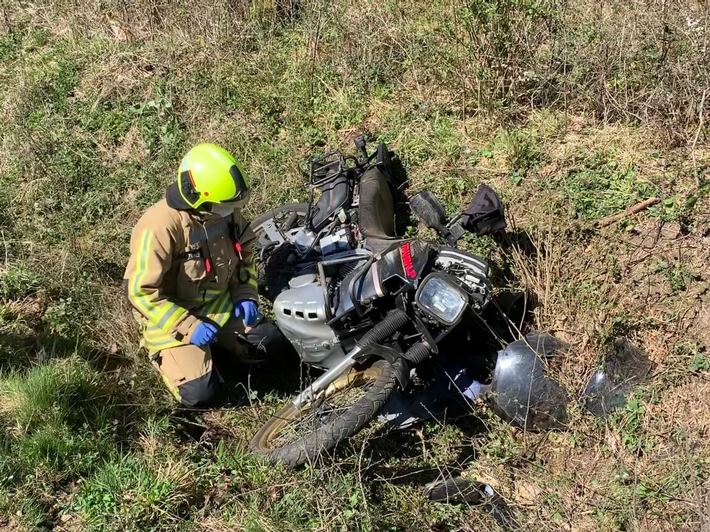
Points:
(133, 147)
(701, 322)
(686, 410)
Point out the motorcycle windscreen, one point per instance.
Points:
(622, 369)
(523, 392)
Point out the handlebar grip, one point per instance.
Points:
(360, 144)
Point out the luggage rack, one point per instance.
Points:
(327, 168)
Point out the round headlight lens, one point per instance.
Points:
(442, 299)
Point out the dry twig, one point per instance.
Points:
(609, 220)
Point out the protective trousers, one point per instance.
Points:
(189, 372)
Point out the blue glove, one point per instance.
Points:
(246, 308)
(205, 333)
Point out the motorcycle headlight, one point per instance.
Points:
(442, 298)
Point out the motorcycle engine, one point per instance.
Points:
(300, 313)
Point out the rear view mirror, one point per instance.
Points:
(484, 215)
(427, 207)
(429, 210)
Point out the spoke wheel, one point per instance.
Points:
(296, 435)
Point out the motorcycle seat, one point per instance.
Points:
(376, 211)
(380, 246)
(335, 195)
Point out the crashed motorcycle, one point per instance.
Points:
(355, 299)
(373, 309)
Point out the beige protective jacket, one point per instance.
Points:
(185, 268)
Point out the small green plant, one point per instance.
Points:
(56, 317)
(522, 152)
(676, 274)
(630, 424)
(159, 123)
(693, 355)
(19, 281)
(601, 187)
(675, 208)
(9, 45)
(699, 362)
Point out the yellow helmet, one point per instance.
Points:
(208, 174)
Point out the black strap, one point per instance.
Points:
(191, 254)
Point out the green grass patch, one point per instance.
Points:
(58, 425)
(63, 391)
(19, 281)
(601, 187)
(137, 493)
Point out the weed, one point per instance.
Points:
(8, 46)
(692, 355)
(630, 424)
(675, 208)
(57, 451)
(503, 54)
(600, 187)
(677, 274)
(130, 493)
(522, 152)
(19, 281)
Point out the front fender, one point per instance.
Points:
(380, 352)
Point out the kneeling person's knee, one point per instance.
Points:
(267, 338)
(267, 342)
(202, 391)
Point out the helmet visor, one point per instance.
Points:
(239, 183)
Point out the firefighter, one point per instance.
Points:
(191, 279)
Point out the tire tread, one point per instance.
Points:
(327, 437)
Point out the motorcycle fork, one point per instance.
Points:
(322, 382)
(395, 320)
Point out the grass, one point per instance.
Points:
(600, 188)
(573, 113)
(138, 492)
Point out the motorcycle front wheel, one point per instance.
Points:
(296, 435)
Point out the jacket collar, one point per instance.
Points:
(175, 199)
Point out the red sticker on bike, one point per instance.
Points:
(407, 263)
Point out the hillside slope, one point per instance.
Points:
(572, 111)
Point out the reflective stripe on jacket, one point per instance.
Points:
(184, 267)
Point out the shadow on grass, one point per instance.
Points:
(17, 351)
(279, 373)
